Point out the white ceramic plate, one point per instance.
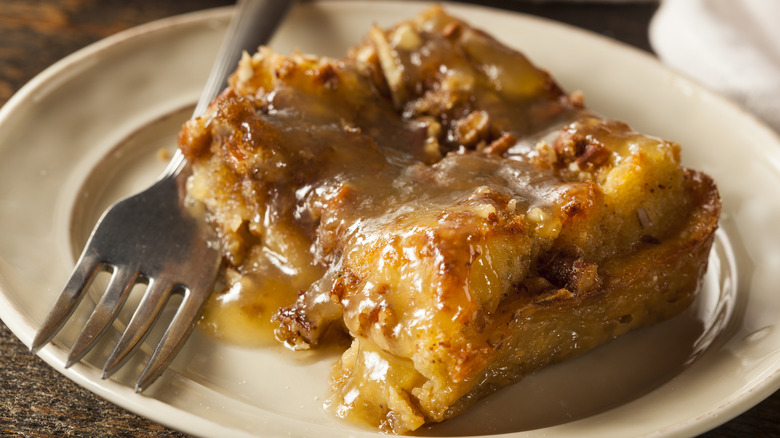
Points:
(90, 128)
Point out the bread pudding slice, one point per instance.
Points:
(442, 203)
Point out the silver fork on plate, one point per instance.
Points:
(154, 238)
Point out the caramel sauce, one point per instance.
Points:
(334, 161)
(241, 312)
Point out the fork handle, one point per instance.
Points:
(253, 25)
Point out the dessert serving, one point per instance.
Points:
(442, 208)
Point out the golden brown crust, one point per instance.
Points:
(441, 201)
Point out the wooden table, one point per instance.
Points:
(37, 401)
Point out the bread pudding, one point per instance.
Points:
(441, 203)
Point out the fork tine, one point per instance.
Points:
(105, 312)
(137, 329)
(173, 339)
(81, 277)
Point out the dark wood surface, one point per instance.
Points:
(35, 400)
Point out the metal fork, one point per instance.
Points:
(154, 238)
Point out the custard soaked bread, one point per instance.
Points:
(441, 202)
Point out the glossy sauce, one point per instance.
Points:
(333, 161)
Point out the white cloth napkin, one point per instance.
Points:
(730, 46)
